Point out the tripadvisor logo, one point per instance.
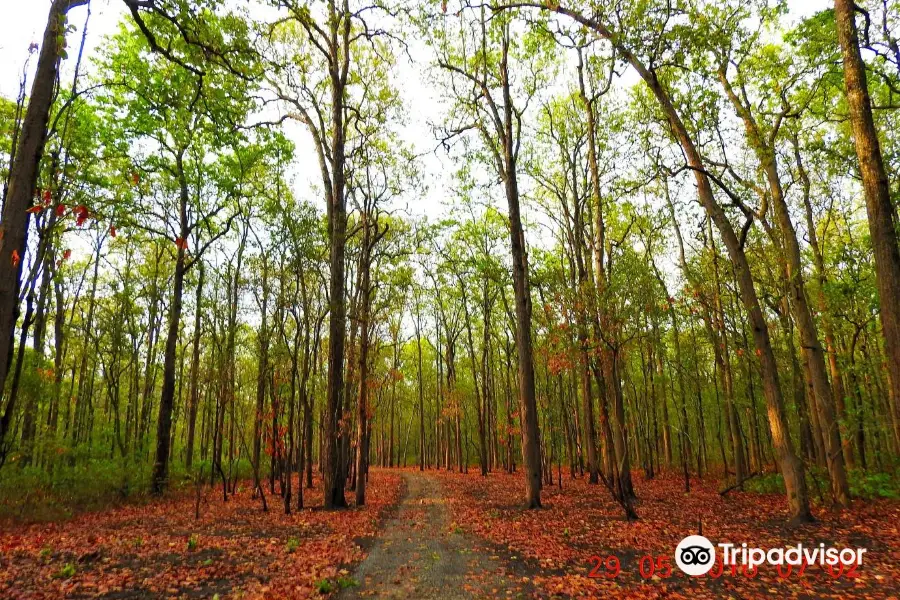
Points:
(695, 555)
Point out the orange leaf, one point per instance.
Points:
(15, 258)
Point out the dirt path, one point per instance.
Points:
(421, 554)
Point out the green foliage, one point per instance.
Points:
(324, 586)
(292, 545)
(770, 483)
(345, 582)
(36, 494)
(67, 571)
(874, 485)
(193, 542)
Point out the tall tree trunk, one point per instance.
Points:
(837, 382)
(22, 180)
(332, 469)
(195, 374)
(799, 304)
(421, 385)
(531, 449)
(362, 415)
(882, 226)
(159, 477)
(791, 467)
(262, 373)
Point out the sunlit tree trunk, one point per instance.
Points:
(879, 208)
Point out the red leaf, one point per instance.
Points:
(48, 197)
(81, 214)
(112, 231)
(67, 254)
(35, 209)
(15, 258)
(181, 243)
(60, 210)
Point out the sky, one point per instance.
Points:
(23, 23)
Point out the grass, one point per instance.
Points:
(865, 485)
(76, 481)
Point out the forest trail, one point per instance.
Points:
(421, 554)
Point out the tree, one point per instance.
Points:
(194, 178)
(882, 225)
(491, 105)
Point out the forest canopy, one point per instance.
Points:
(282, 240)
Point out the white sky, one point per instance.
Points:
(22, 22)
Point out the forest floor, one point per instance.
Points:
(580, 527)
(159, 550)
(441, 535)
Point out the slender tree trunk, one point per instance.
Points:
(421, 386)
(791, 467)
(799, 303)
(362, 415)
(195, 374)
(531, 449)
(160, 475)
(332, 470)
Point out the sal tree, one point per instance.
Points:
(189, 165)
(494, 68)
(320, 71)
(175, 29)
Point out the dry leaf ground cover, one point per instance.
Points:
(159, 550)
(581, 522)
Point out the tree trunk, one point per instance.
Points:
(22, 180)
(332, 469)
(362, 415)
(531, 449)
(195, 375)
(879, 208)
(799, 303)
(159, 477)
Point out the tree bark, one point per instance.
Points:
(159, 477)
(880, 211)
(22, 180)
(195, 375)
